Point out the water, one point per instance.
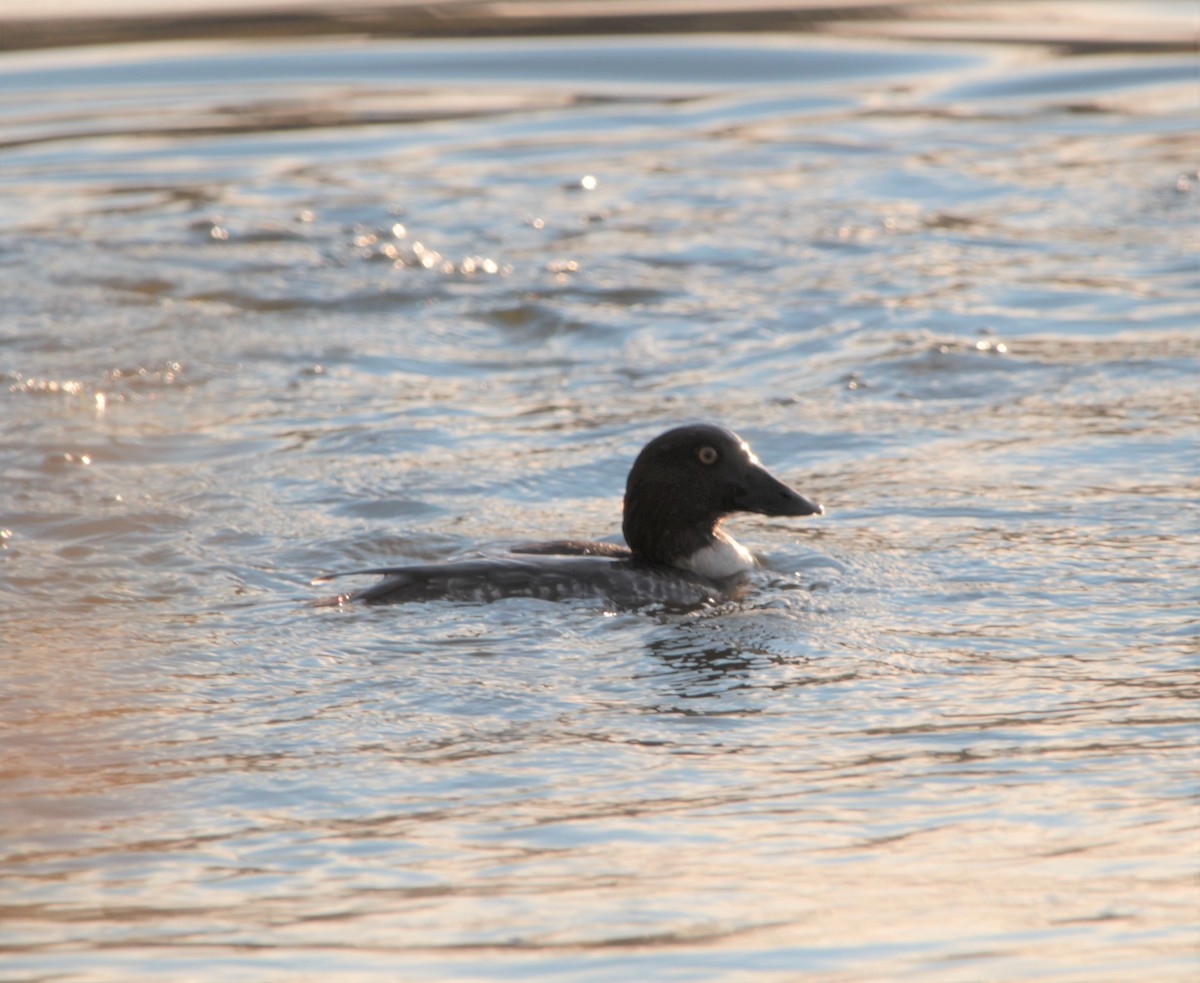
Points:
(275, 310)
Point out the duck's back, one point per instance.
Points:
(621, 582)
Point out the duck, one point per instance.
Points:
(682, 486)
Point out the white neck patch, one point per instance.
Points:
(725, 557)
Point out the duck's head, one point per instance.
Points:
(685, 481)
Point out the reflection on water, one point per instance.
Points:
(341, 304)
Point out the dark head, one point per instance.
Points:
(685, 481)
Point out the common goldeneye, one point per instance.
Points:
(680, 488)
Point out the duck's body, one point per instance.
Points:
(617, 582)
(682, 485)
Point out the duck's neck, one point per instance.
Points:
(723, 557)
(662, 527)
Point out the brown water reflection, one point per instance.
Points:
(1101, 27)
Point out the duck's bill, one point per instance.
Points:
(765, 494)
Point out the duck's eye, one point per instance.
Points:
(707, 455)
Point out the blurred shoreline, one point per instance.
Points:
(1071, 27)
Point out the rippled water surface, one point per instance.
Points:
(274, 310)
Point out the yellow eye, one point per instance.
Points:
(707, 455)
